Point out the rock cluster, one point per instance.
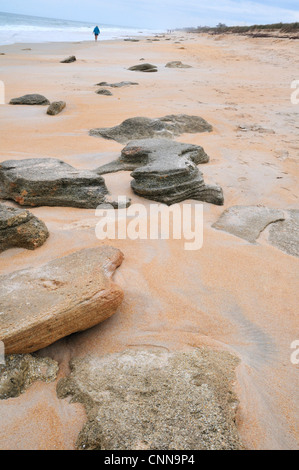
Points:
(41, 305)
(167, 127)
(21, 229)
(165, 171)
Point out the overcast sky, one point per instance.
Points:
(160, 13)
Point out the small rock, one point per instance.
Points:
(20, 229)
(33, 99)
(144, 68)
(56, 107)
(177, 64)
(117, 85)
(102, 91)
(68, 60)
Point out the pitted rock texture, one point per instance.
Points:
(31, 100)
(21, 371)
(167, 127)
(148, 400)
(248, 222)
(56, 107)
(41, 305)
(165, 171)
(285, 234)
(19, 228)
(50, 182)
(144, 68)
(177, 64)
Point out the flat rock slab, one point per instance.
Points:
(21, 371)
(50, 182)
(117, 85)
(68, 60)
(247, 222)
(102, 91)
(41, 305)
(56, 107)
(177, 64)
(20, 229)
(167, 127)
(148, 400)
(285, 234)
(31, 100)
(165, 171)
(144, 68)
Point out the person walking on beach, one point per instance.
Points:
(96, 32)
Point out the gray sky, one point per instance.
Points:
(160, 13)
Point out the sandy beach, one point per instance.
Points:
(230, 295)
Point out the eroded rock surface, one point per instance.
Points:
(285, 234)
(248, 222)
(165, 171)
(68, 60)
(33, 99)
(177, 64)
(21, 371)
(117, 85)
(148, 400)
(70, 294)
(50, 182)
(19, 228)
(144, 68)
(166, 127)
(56, 107)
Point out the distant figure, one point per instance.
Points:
(96, 32)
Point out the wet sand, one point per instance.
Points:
(229, 295)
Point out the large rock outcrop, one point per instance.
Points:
(50, 182)
(21, 371)
(248, 222)
(33, 99)
(167, 127)
(165, 171)
(149, 400)
(70, 294)
(19, 228)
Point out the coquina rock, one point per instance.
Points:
(33, 99)
(149, 399)
(144, 68)
(118, 84)
(69, 60)
(56, 107)
(50, 182)
(248, 222)
(19, 228)
(167, 127)
(41, 305)
(21, 371)
(165, 171)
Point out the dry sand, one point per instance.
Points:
(230, 294)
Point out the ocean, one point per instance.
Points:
(28, 29)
